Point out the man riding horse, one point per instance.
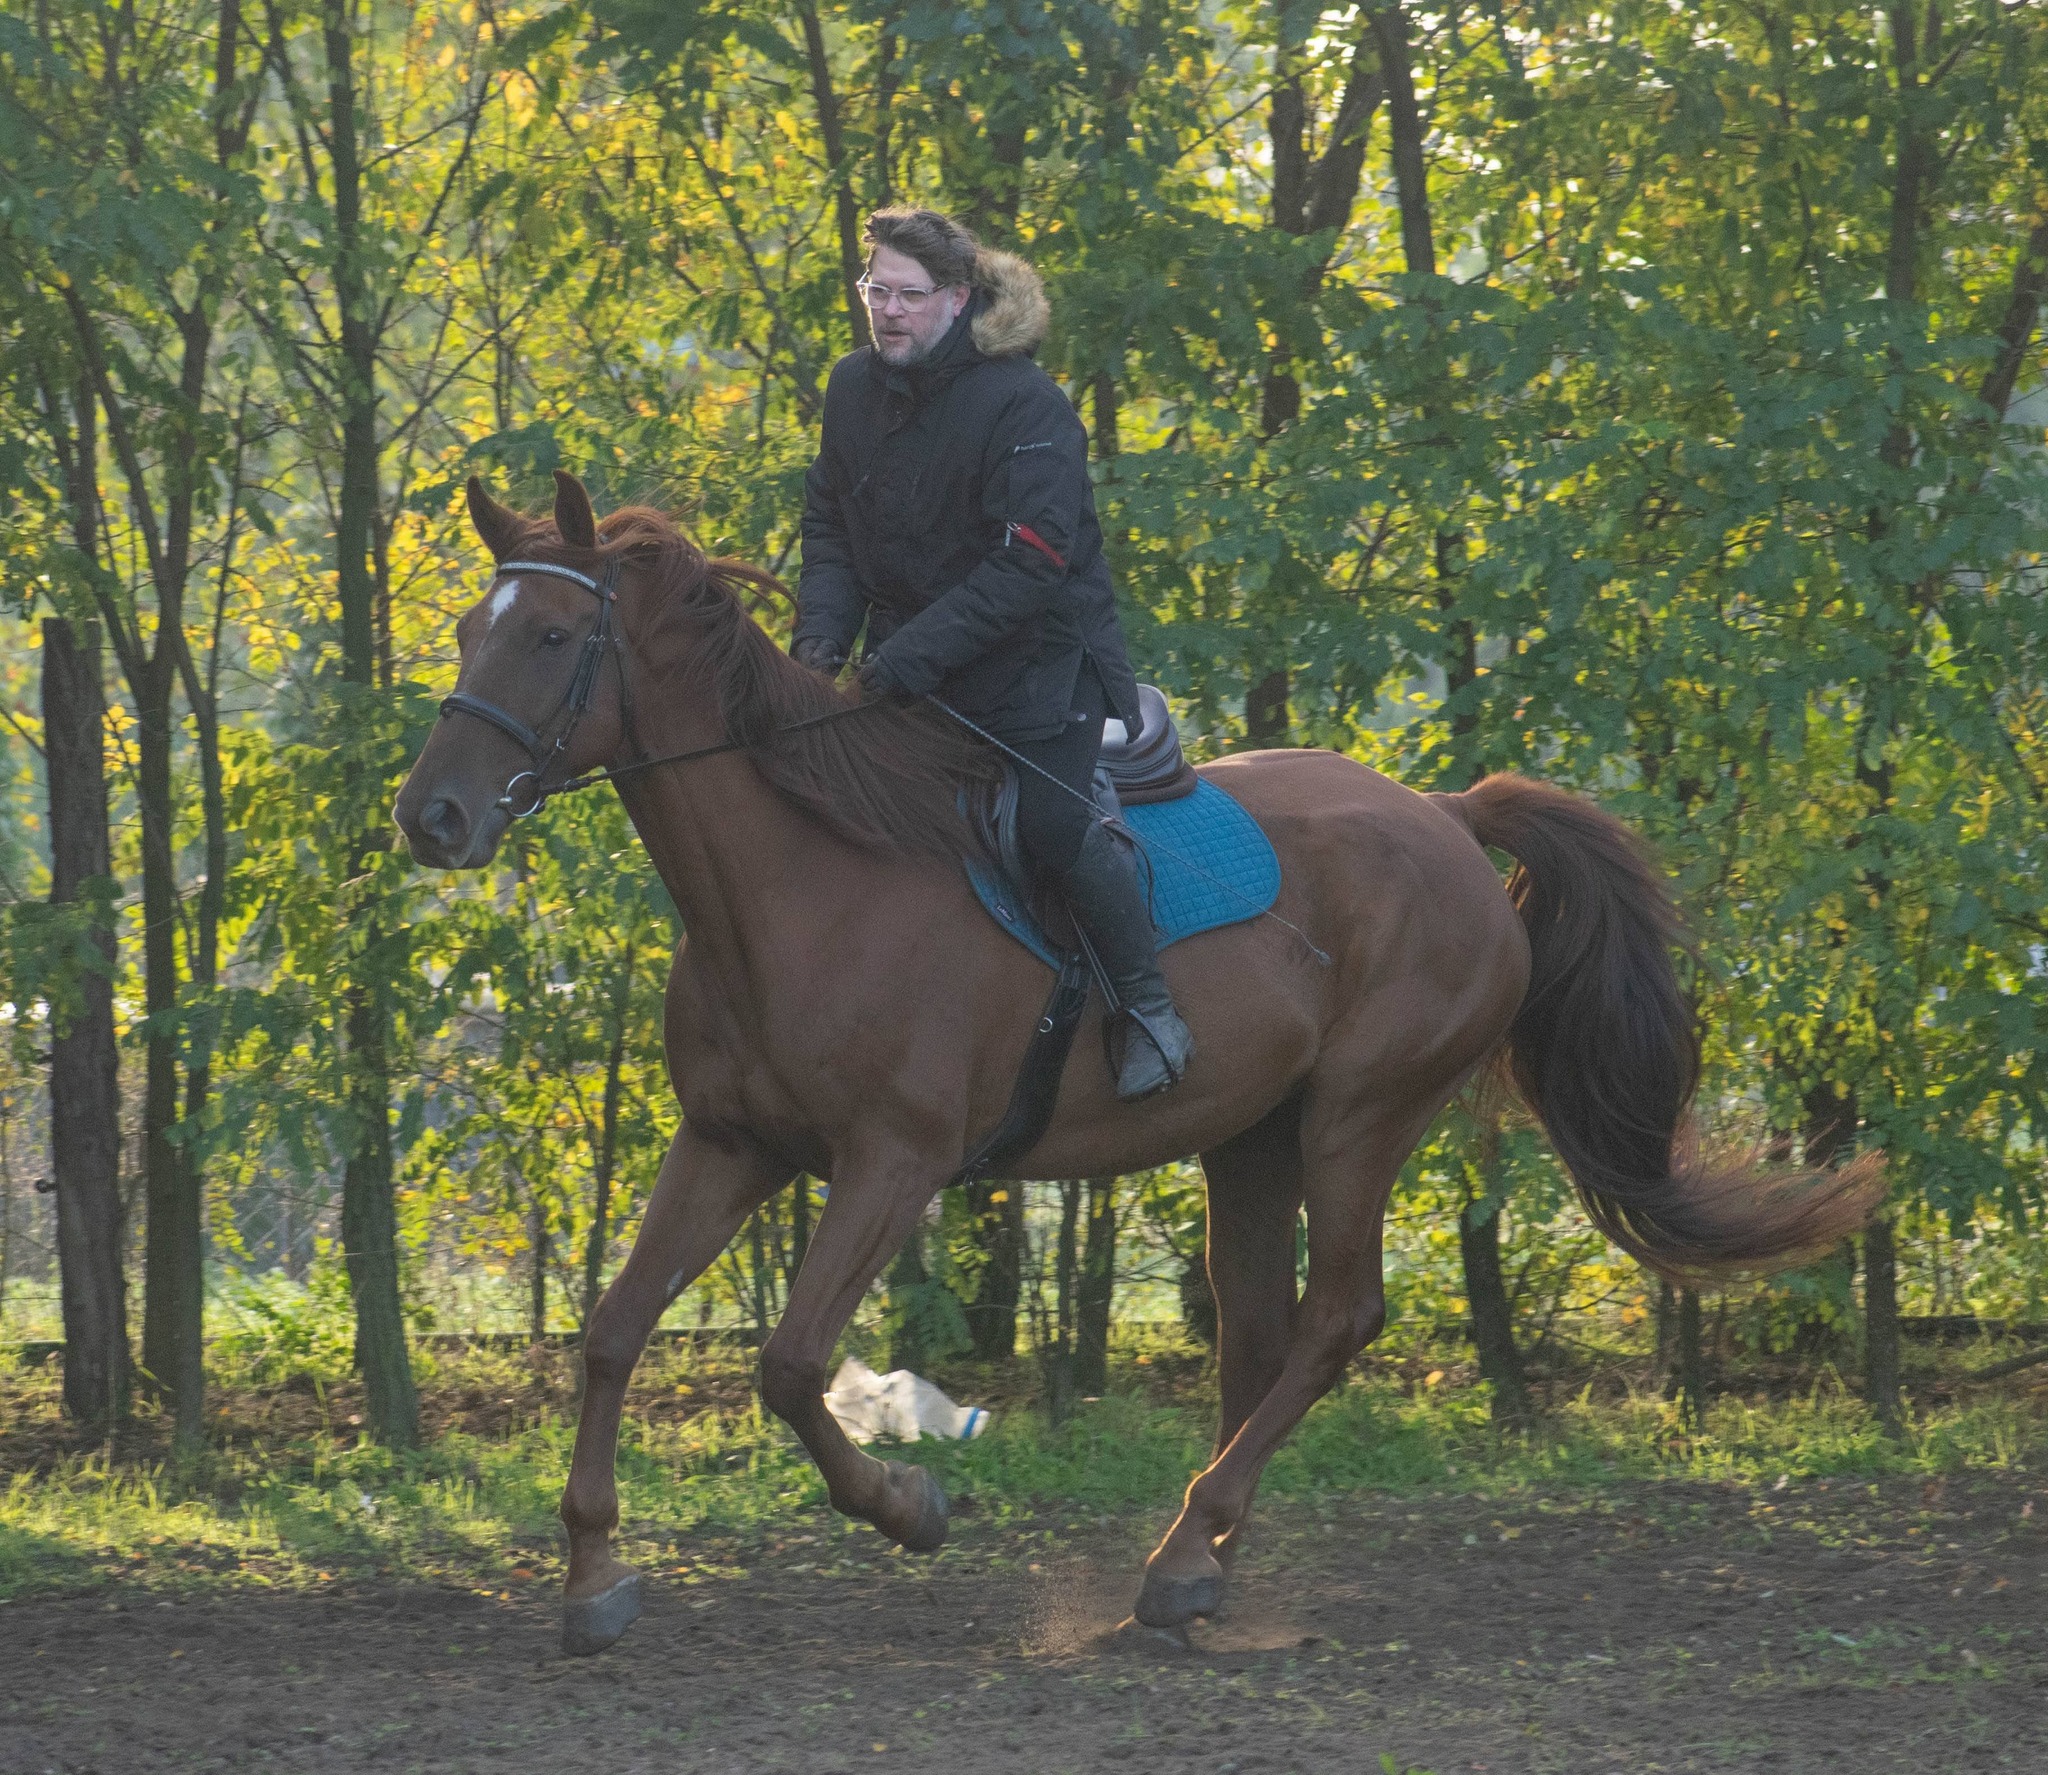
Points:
(842, 1006)
(949, 512)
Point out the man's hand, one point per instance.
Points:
(878, 684)
(819, 654)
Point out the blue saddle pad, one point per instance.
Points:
(1210, 866)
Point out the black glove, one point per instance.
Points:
(820, 654)
(878, 684)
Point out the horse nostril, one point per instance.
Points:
(444, 821)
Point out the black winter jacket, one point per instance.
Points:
(949, 509)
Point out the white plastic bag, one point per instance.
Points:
(899, 1405)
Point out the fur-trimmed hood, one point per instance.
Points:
(1012, 314)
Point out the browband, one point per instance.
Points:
(582, 579)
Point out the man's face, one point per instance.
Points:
(901, 337)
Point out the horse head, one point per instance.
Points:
(542, 694)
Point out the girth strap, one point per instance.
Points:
(1036, 1092)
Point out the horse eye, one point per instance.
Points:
(554, 637)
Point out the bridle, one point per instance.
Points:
(604, 637)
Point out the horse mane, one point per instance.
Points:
(888, 779)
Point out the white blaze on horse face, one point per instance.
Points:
(501, 601)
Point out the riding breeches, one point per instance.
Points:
(1053, 816)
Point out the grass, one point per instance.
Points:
(289, 1495)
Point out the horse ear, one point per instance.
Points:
(497, 527)
(573, 516)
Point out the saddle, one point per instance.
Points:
(1126, 775)
(1153, 768)
(1204, 857)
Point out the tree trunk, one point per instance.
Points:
(799, 1224)
(1404, 131)
(845, 210)
(537, 1273)
(1096, 1290)
(907, 1280)
(1881, 1325)
(1198, 1315)
(1056, 1332)
(369, 1229)
(599, 1240)
(369, 1220)
(1311, 194)
(886, 83)
(1266, 714)
(1286, 121)
(1913, 171)
(1689, 1373)
(173, 1297)
(1493, 1325)
(1478, 1244)
(998, 1220)
(2016, 328)
(1108, 438)
(287, 1231)
(85, 1090)
(759, 1277)
(175, 431)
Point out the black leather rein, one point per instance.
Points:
(604, 637)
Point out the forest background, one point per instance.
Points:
(1645, 397)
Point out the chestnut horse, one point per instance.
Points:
(843, 1006)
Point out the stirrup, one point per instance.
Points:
(1129, 1017)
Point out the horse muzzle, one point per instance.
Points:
(442, 833)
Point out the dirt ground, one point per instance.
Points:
(1653, 1628)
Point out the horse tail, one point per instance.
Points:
(1605, 1049)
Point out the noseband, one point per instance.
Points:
(526, 791)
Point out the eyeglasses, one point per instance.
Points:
(879, 296)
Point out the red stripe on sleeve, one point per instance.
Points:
(1024, 533)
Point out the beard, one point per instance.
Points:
(904, 350)
(913, 345)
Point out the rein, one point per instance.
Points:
(603, 638)
(615, 772)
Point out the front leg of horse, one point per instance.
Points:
(702, 1198)
(871, 1212)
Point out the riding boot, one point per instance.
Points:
(1108, 900)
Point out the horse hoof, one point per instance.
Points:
(1169, 1602)
(1130, 1631)
(928, 1533)
(594, 1622)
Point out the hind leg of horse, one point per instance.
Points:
(702, 1197)
(1254, 1190)
(872, 1209)
(1349, 1167)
